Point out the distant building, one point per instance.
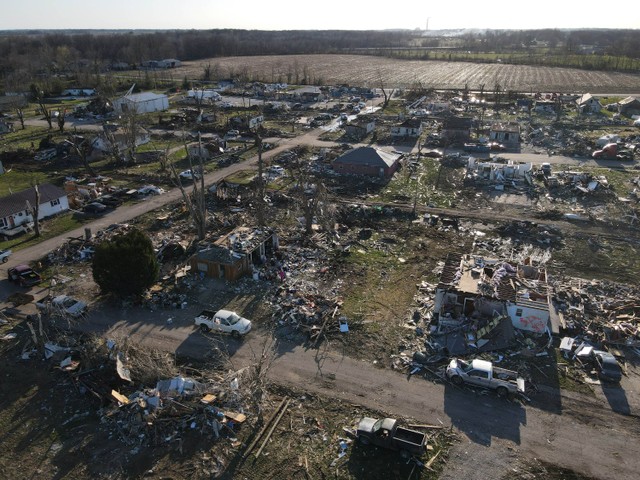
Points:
(411, 127)
(587, 103)
(629, 106)
(145, 102)
(367, 161)
(79, 92)
(360, 128)
(507, 134)
(456, 129)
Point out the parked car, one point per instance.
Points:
(4, 255)
(109, 200)
(224, 321)
(477, 148)
(276, 170)
(588, 355)
(607, 366)
(150, 190)
(24, 276)
(63, 305)
(94, 208)
(46, 154)
(189, 175)
(69, 305)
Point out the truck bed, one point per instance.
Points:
(208, 314)
(504, 374)
(409, 436)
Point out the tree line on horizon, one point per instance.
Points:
(29, 54)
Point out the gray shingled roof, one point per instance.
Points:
(143, 97)
(368, 156)
(16, 202)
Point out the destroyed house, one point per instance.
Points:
(456, 129)
(359, 129)
(500, 172)
(587, 103)
(234, 255)
(247, 122)
(507, 134)
(486, 298)
(629, 106)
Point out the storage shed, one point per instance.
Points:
(144, 102)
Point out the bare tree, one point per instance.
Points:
(20, 114)
(312, 197)
(39, 97)
(61, 119)
(194, 201)
(34, 210)
(82, 147)
(386, 95)
(131, 129)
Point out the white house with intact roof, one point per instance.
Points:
(15, 208)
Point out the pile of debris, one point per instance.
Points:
(604, 311)
(305, 301)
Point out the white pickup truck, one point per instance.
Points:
(224, 321)
(482, 373)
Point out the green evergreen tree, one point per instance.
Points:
(126, 264)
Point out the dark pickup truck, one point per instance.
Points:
(387, 433)
(24, 276)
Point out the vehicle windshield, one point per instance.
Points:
(377, 425)
(68, 302)
(233, 319)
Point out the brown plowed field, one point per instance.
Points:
(367, 71)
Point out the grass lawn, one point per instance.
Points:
(49, 228)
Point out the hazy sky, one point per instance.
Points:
(318, 15)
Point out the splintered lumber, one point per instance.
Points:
(418, 425)
(119, 397)
(262, 430)
(208, 398)
(273, 427)
(235, 416)
(432, 459)
(324, 324)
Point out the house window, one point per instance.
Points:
(55, 202)
(519, 312)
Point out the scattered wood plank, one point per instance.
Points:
(235, 416)
(273, 427)
(263, 429)
(419, 425)
(119, 397)
(208, 398)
